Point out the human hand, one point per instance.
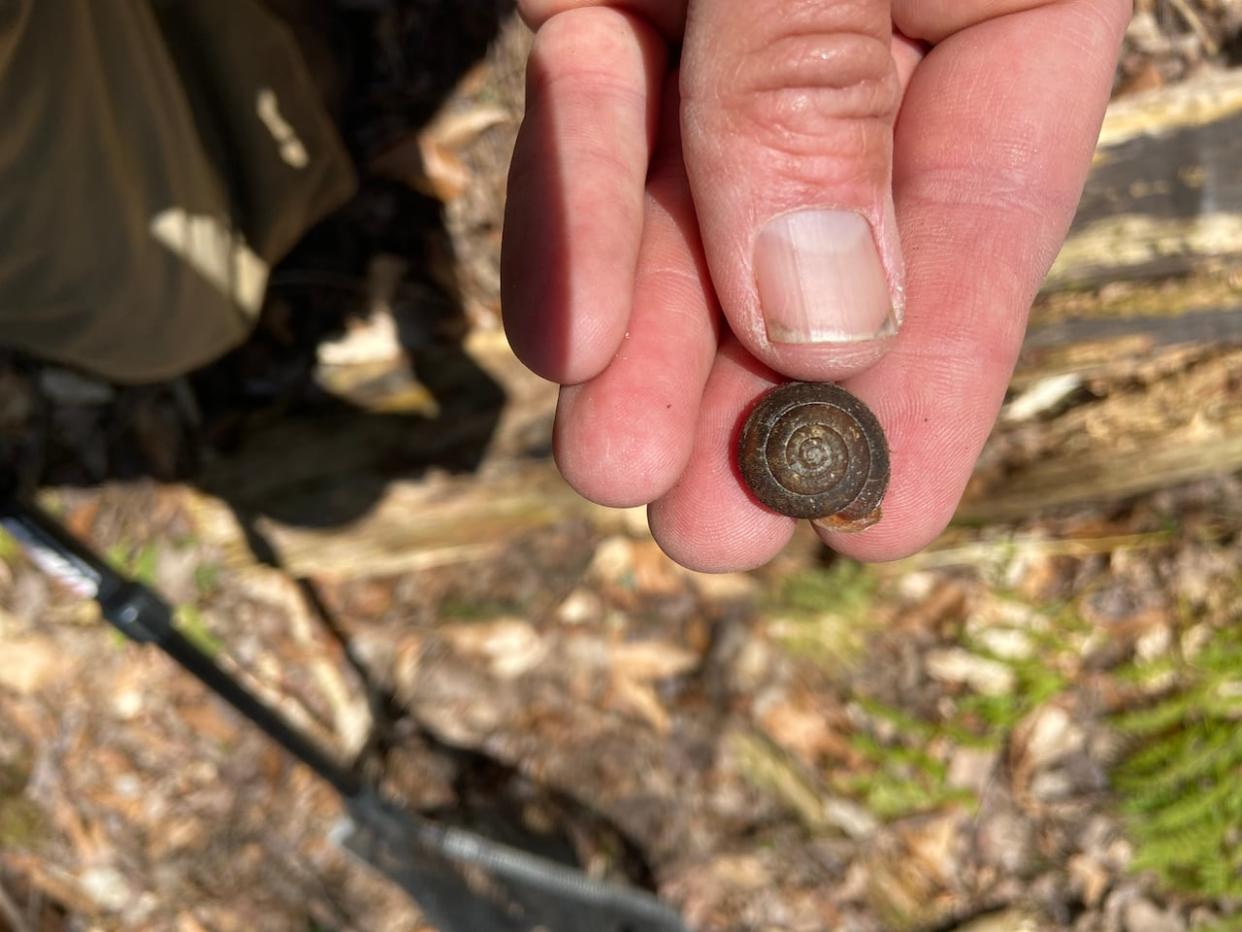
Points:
(955, 133)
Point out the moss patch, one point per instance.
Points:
(1181, 787)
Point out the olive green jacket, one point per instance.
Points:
(156, 158)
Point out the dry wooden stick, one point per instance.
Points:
(1193, 21)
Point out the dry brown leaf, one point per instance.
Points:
(1039, 741)
(638, 699)
(429, 161)
(956, 665)
(27, 664)
(651, 660)
(905, 882)
(1088, 878)
(801, 726)
(510, 647)
(187, 923)
(456, 128)
(211, 719)
(932, 843)
(50, 880)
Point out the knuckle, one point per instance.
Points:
(807, 83)
(1015, 193)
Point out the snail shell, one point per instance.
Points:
(813, 450)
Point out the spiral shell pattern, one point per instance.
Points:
(813, 450)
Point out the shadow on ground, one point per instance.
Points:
(260, 430)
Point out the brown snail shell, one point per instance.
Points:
(813, 450)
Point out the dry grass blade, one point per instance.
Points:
(1194, 22)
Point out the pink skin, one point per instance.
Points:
(648, 395)
(615, 278)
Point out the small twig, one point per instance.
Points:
(12, 915)
(1193, 21)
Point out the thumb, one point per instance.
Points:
(787, 118)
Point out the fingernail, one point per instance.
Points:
(821, 280)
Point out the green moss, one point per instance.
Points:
(1036, 681)
(145, 563)
(823, 614)
(899, 777)
(1181, 786)
(899, 718)
(845, 588)
(206, 579)
(193, 626)
(770, 770)
(137, 562)
(9, 548)
(1037, 678)
(22, 822)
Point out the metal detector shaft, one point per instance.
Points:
(143, 616)
(424, 858)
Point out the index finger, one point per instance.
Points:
(574, 215)
(992, 148)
